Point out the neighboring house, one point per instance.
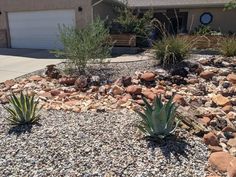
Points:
(34, 23)
(191, 14)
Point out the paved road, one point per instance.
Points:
(17, 62)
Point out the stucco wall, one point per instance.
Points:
(222, 20)
(82, 18)
(104, 10)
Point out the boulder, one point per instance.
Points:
(148, 76)
(207, 74)
(211, 139)
(220, 160)
(231, 170)
(220, 100)
(55, 92)
(53, 72)
(134, 89)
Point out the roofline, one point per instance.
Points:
(180, 6)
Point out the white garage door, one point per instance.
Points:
(38, 29)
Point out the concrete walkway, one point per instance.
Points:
(18, 62)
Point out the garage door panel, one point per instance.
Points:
(38, 29)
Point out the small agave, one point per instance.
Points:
(158, 120)
(23, 109)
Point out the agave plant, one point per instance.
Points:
(23, 109)
(159, 119)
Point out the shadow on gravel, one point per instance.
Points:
(21, 129)
(172, 147)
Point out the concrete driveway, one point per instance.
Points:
(17, 62)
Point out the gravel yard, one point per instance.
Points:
(94, 144)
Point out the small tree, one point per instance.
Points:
(90, 44)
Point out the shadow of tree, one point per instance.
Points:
(171, 146)
(21, 129)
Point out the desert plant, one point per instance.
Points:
(159, 119)
(205, 30)
(81, 46)
(172, 50)
(230, 5)
(23, 109)
(133, 22)
(228, 47)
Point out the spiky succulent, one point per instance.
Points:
(159, 119)
(23, 109)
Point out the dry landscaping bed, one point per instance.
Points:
(89, 113)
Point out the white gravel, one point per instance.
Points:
(94, 144)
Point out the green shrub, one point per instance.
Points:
(158, 120)
(23, 109)
(228, 47)
(205, 30)
(171, 50)
(81, 46)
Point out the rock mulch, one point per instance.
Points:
(206, 85)
(95, 144)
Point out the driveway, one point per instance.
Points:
(17, 62)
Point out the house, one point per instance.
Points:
(186, 15)
(34, 23)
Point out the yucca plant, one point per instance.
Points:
(23, 109)
(158, 120)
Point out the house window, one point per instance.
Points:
(206, 18)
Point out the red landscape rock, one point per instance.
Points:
(220, 160)
(67, 81)
(215, 148)
(211, 139)
(134, 89)
(232, 168)
(81, 82)
(35, 78)
(149, 94)
(207, 74)
(55, 92)
(220, 100)
(232, 78)
(205, 120)
(117, 90)
(232, 142)
(149, 76)
(227, 108)
(9, 83)
(179, 99)
(126, 98)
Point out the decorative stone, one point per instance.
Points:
(220, 100)
(220, 160)
(227, 108)
(231, 170)
(117, 90)
(232, 78)
(211, 139)
(215, 148)
(126, 81)
(149, 76)
(207, 74)
(95, 80)
(35, 78)
(232, 142)
(67, 81)
(149, 94)
(205, 120)
(9, 83)
(55, 92)
(81, 82)
(134, 89)
(179, 99)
